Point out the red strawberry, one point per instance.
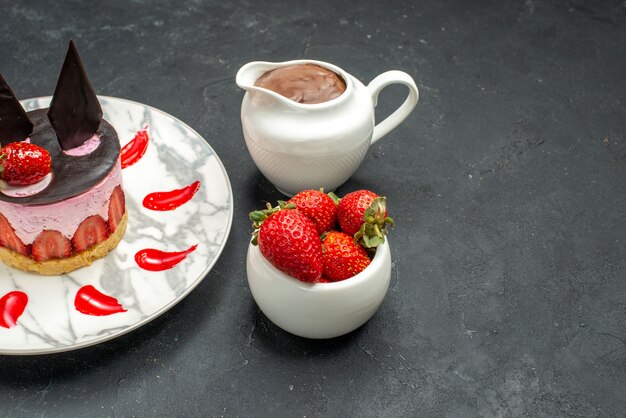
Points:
(351, 209)
(343, 258)
(51, 244)
(363, 214)
(117, 208)
(289, 241)
(23, 163)
(319, 207)
(9, 239)
(90, 232)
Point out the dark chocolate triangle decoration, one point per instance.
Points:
(75, 112)
(14, 124)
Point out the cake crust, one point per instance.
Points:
(65, 265)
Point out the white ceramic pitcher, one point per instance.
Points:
(300, 146)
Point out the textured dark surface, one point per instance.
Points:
(508, 186)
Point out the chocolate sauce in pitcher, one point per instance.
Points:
(303, 83)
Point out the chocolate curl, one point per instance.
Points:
(75, 112)
(14, 124)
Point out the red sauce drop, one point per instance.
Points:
(91, 301)
(172, 199)
(157, 260)
(135, 149)
(12, 306)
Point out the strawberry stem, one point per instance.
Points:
(373, 230)
(259, 216)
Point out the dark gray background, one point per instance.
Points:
(508, 186)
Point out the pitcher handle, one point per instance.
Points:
(380, 82)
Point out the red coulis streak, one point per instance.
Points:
(157, 260)
(12, 306)
(91, 301)
(171, 200)
(135, 149)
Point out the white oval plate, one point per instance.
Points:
(176, 157)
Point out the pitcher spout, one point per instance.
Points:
(248, 75)
(250, 72)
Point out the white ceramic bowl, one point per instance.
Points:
(318, 310)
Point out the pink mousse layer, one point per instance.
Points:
(64, 216)
(87, 148)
